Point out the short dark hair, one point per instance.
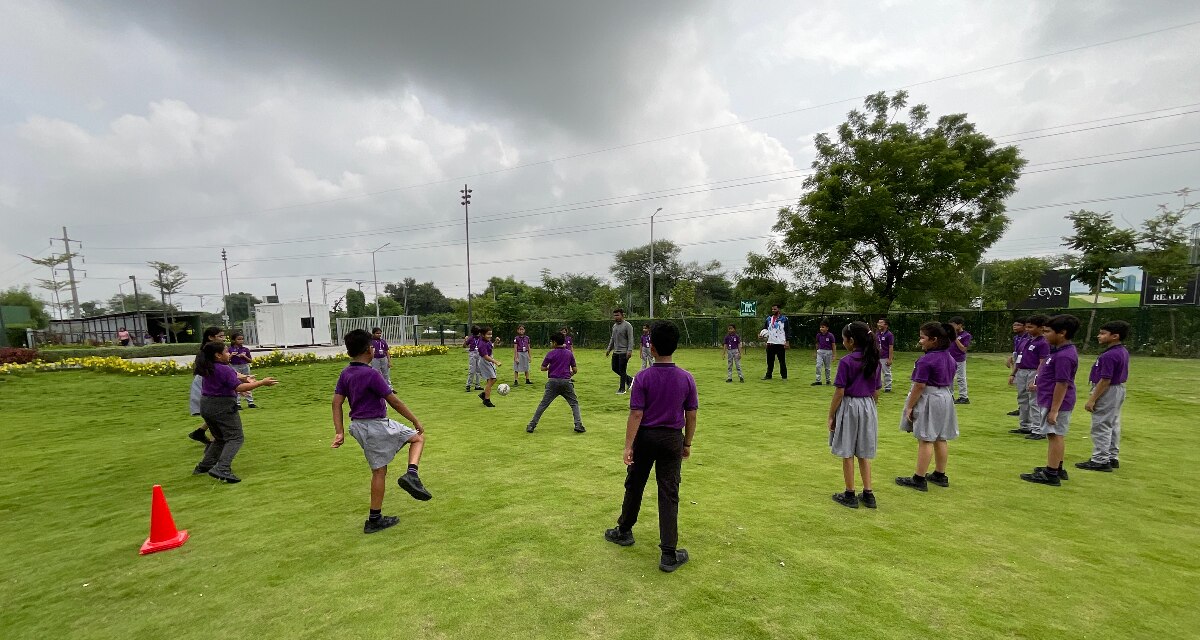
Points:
(376, 330)
(520, 326)
(1037, 320)
(825, 323)
(483, 330)
(1065, 323)
(885, 321)
(1119, 327)
(958, 320)
(210, 333)
(357, 342)
(558, 339)
(665, 337)
(619, 310)
(732, 325)
(235, 335)
(1020, 320)
(777, 305)
(938, 331)
(475, 330)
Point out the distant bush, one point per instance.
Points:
(17, 355)
(151, 350)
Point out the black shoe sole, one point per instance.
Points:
(230, 479)
(1029, 477)
(200, 472)
(869, 505)
(386, 522)
(414, 490)
(580, 430)
(841, 499)
(1035, 436)
(945, 484)
(199, 436)
(1114, 464)
(529, 429)
(1013, 413)
(681, 558)
(912, 485)
(1020, 432)
(624, 542)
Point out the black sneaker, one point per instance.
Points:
(488, 403)
(468, 389)
(516, 383)
(728, 379)
(200, 470)
(867, 499)
(913, 482)
(478, 388)
(1092, 465)
(1021, 431)
(1014, 413)
(815, 384)
(251, 405)
(668, 563)
(887, 390)
(528, 381)
(530, 428)
(846, 499)
(1062, 473)
(963, 401)
(940, 479)
(766, 377)
(580, 429)
(384, 522)
(412, 484)
(199, 436)
(1036, 436)
(1114, 463)
(224, 476)
(1039, 476)
(741, 379)
(616, 536)
(827, 383)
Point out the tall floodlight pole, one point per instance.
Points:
(137, 307)
(312, 322)
(466, 204)
(225, 287)
(375, 277)
(652, 261)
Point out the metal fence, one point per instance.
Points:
(1162, 331)
(250, 331)
(396, 329)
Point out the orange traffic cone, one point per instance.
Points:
(163, 534)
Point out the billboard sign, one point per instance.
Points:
(1155, 294)
(1053, 292)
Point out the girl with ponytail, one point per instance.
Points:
(220, 385)
(929, 411)
(853, 412)
(211, 334)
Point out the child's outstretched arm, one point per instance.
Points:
(251, 386)
(339, 430)
(631, 429)
(394, 401)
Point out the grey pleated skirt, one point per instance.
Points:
(194, 396)
(934, 417)
(855, 428)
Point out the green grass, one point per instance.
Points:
(511, 545)
(1085, 300)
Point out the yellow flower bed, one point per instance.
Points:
(113, 364)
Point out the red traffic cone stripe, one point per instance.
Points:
(163, 534)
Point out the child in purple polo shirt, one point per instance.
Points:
(211, 334)
(380, 437)
(647, 359)
(929, 412)
(566, 334)
(381, 357)
(658, 435)
(1028, 360)
(471, 344)
(960, 341)
(560, 365)
(521, 356)
(853, 412)
(733, 353)
(1108, 377)
(1018, 339)
(219, 387)
(486, 366)
(826, 352)
(887, 344)
(239, 359)
(1055, 382)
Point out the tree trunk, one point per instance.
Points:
(1092, 316)
(1172, 314)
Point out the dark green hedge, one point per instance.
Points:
(150, 350)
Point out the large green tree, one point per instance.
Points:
(631, 268)
(1164, 247)
(1005, 283)
(1103, 248)
(240, 305)
(356, 304)
(894, 202)
(22, 297)
(423, 298)
(169, 280)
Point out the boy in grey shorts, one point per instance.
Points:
(1055, 384)
(380, 437)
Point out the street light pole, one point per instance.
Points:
(312, 322)
(652, 261)
(225, 288)
(137, 306)
(122, 294)
(375, 277)
(276, 287)
(466, 204)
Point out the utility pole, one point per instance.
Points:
(466, 205)
(324, 295)
(312, 324)
(137, 305)
(375, 277)
(66, 240)
(163, 296)
(275, 286)
(652, 262)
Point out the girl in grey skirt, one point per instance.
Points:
(853, 416)
(220, 385)
(211, 334)
(929, 411)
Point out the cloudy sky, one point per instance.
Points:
(299, 136)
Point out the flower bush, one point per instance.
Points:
(10, 355)
(113, 364)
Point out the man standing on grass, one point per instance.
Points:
(776, 327)
(620, 346)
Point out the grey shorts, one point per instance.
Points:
(381, 439)
(856, 429)
(522, 363)
(194, 396)
(1059, 429)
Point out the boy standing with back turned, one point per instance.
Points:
(658, 435)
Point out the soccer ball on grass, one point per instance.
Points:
(502, 389)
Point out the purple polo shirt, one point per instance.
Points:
(558, 363)
(825, 341)
(366, 389)
(239, 355)
(1113, 365)
(1032, 350)
(663, 393)
(958, 354)
(379, 348)
(850, 377)
(472, 344)
(221, 383)
(567, 342)
(886, 341)
(1018, 342)
(733, 342)
(522, 343)
(645, 341)
(485, 348)
(1060, 366)
(935, 368)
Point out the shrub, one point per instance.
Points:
(17, 355)
(151, 350)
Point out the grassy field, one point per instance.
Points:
(511, 545)
(1107, 299)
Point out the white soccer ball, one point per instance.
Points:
(502, 389)
(764, 334)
